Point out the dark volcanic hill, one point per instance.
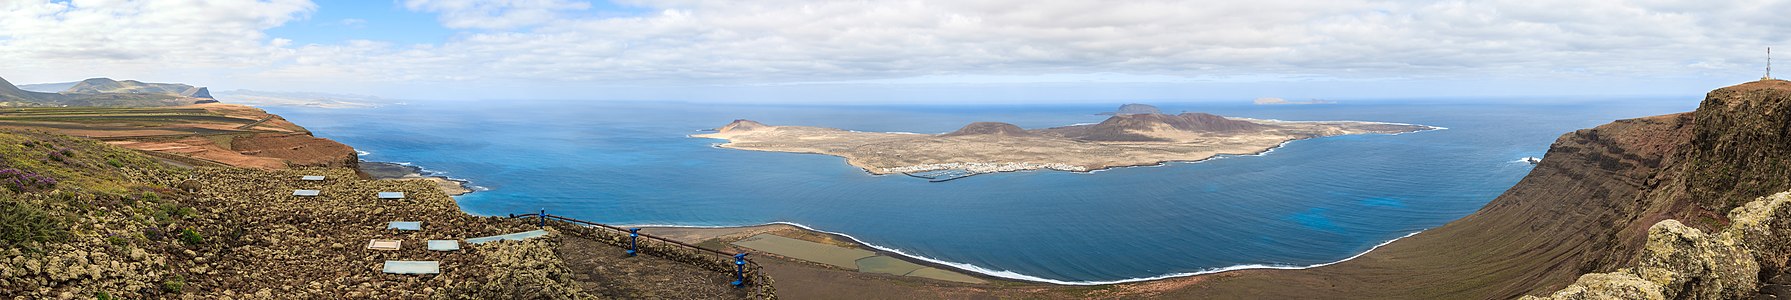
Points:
(741, 125)
(990, 128)
(1585, 208)
(1121, 128)
(1135, 109)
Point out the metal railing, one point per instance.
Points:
(543, 217)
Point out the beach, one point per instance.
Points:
(805, 279)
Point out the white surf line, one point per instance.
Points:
(1023, 277)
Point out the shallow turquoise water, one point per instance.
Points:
(1310, 202)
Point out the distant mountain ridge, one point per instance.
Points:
(105, 92)
(107, 85)
(57, 87)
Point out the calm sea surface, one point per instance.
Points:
(1311, 202)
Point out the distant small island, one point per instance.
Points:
(1135, 139)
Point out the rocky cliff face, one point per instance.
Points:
(1741, 148)
(197, 92)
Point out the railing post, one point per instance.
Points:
(633, 234)
(740, 270)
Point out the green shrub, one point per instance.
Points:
(22, 223)
(114, 163)
(101, 295)
(174, 210)
(167, 213)
(190, 237)
(118, 241)
(161, 217)
(174, 284)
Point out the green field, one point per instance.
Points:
(123, 118)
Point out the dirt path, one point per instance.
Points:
(605, 271)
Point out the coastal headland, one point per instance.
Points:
(1123, 140)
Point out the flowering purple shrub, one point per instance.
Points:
(22, 181)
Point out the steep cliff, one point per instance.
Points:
(1589, 208)
(1741, 148)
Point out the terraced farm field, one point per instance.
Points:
(200, 134)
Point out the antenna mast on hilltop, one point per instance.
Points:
(1768, 64)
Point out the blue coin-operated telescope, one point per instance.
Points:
(633, 236)
(740, 270)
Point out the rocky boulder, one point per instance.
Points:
(1680, 262)
(1689, 264)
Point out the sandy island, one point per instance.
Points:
(985, 147)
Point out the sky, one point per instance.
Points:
(963, 51)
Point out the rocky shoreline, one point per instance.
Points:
(397, 171)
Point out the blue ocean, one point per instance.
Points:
(1310, 202)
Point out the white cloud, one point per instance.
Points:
(52, 40)
(780, 42)
(496, 14)
(353, 23)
